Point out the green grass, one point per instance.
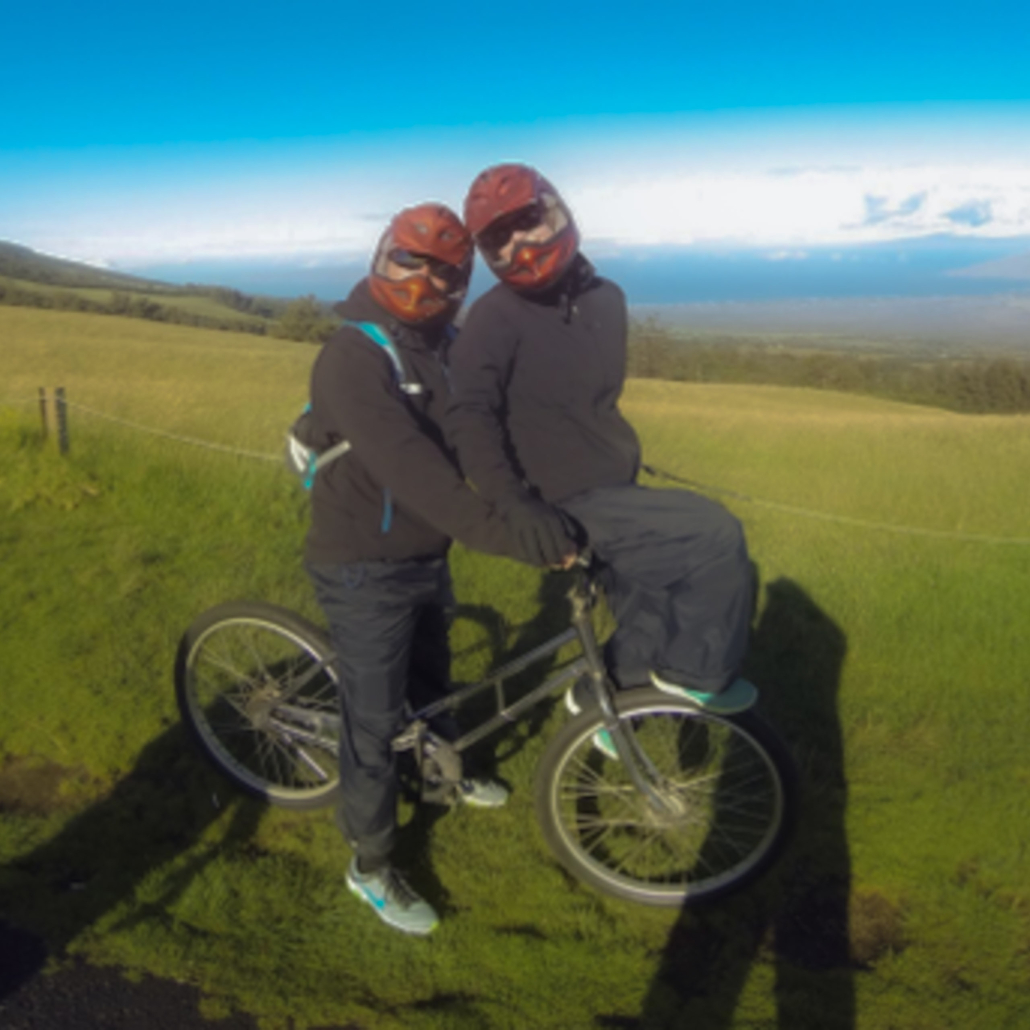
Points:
(894, 663)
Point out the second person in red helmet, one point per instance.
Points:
(536, 375)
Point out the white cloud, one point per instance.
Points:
(808, 207)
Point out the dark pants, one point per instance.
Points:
(678, 580)
(388, 623)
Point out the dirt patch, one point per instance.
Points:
(877, 927)
(827, 927)
(35, 786)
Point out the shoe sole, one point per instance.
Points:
(476, 803)
(705, 706)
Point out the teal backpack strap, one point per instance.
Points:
(379, 336)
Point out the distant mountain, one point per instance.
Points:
(1015, 267)
(17, 262)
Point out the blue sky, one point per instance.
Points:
(132, 133)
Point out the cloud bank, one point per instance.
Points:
(783, 208)
(807, 206)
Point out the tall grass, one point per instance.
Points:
(894, 663)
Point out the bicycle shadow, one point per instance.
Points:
(796, 919)
(550, 619)
(155, 813)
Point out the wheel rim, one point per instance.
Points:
(722, 806)
(265, 702)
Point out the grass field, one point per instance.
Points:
(894, 661)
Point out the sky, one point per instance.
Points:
(134, 135)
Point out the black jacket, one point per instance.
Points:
(535, 385)
(399, 458)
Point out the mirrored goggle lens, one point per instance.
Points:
(497, 235)
(411, 261)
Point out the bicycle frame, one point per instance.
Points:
(582, 598)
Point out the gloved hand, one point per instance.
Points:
(540, 532)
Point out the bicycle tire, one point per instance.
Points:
(729, 784)
(254, 684)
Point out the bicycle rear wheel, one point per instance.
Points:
(727, 793)
(255, 685)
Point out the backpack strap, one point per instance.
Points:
(381, 338)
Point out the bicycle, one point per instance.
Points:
(695, 805)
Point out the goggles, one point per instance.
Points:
(454, 276)
(497, 235)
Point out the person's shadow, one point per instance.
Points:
(159, 810)
(796, 918)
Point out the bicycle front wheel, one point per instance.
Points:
(724, 800)
(255, 684)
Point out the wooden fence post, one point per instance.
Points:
(42, 411)
(62, 419)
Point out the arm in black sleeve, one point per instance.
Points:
(356, 398)
(481, 360)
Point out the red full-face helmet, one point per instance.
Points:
(429, 244)
(514, 199)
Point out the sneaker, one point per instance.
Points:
(395, 902)
(482, 793)
(739, 696)
(576, 698)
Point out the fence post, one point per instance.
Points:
(42, 411)
(62, 419)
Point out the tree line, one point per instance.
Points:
(975, 385)
(304, 319)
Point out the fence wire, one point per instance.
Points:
(846, 520)
(194, 441)
(651, 470)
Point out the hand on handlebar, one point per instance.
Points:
(540, 533)
(566, 563)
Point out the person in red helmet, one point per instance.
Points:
(536, 377)
(382, 518)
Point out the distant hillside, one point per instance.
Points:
(30, 279)
(17, 262)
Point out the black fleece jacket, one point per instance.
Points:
(535, 385)
(399, 457)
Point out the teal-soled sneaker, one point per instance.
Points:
(576, 697)
(482, 793)
(739, 696)
(394, 901)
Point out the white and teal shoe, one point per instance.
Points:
(739, 696)
(394, 901)
(482, 793)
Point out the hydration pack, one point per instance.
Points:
(303, 458)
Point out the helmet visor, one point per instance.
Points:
(538, 223)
